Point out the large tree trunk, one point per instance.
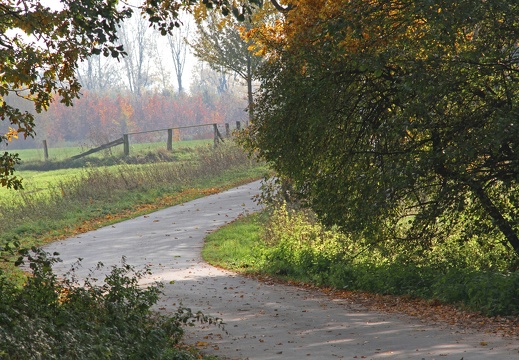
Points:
(249, 90)
(492, 210)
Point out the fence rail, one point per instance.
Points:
(169, 145)
(99, 148)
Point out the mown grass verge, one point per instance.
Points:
(293, 247)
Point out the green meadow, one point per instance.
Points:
(40, 176)
(66, 152)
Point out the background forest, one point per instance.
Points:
(159, 84)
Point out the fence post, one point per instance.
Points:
(45, 150)
(227, 130)
(238, 125)
(170, 140)
(215, 130)
(126, 144)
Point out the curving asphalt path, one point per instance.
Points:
(263, 321)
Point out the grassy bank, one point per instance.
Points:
(39, 176)
(293, 247)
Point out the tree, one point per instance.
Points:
(138, 44)
(41, 47)
(220, 43)
(178, 47)
(98, 73)
(39, 52)
(397, 120)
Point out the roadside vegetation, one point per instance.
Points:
(43, 316)
(82, 199)
(288, 242)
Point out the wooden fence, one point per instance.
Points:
(99, 148)
(125, 140)
(169, 144)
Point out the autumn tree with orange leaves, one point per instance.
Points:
(396, 119)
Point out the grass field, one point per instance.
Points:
(38, 181)
(35, 181)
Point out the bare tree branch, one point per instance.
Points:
(280, 7)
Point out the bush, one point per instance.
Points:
(296, 246)
(491, 293)
(53, 318)
(301, 248)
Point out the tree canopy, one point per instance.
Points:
(40, 48)
(396, 119)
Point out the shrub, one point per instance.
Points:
(302, 248)
(53, 318)
(297, 246)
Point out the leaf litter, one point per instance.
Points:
(432, 312)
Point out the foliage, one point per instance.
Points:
(220, 42)
(396, 119)
(39, 58)
(292, 245)
(98, 118)
(56, 318)
(298, 248)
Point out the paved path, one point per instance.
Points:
(264, 321)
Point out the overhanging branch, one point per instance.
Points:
(280, 7)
